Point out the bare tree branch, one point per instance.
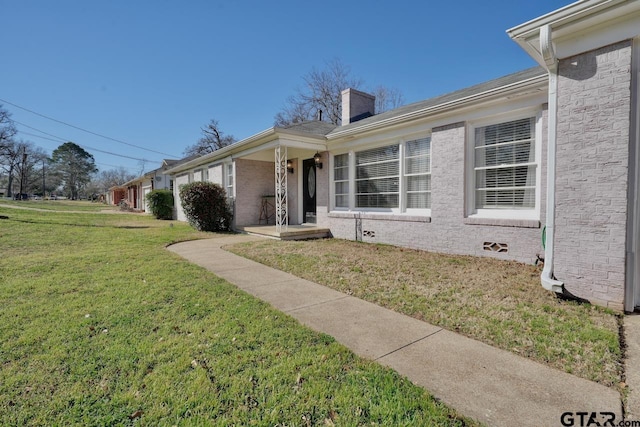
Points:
(387, 98)
(213, 139)
(7, 128)
(322, 91)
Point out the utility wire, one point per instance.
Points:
(39, 136)
(49, 152)
(85, 130)
(114, 166)
(59, 139)
(38, 130)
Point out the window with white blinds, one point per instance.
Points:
(229, 183)
(377, 178)
(341, 180)
(395, 177)
(417, 172)
(505, 166)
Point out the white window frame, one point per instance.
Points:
(402, 203)
(405, 176)
(334, 181)
(470, 188)
(399, 160)
(229, 179)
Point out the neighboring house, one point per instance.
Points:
(116, 194)
(134, 192)
(486, 170)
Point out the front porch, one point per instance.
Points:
(292, 232)
(281, 183)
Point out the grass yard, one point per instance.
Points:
(59, 205)
(100, 325)
(498, 302)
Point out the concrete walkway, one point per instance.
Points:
(490, 385)
(632, 365)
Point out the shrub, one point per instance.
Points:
(161, 203)
(205, 206)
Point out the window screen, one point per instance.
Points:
(505, 168)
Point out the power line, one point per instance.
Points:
(114, 166)
(59, 139)
(49, 152)
(85, 130)
(39, 136)
(38, 130)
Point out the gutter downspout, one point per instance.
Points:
(547, 278)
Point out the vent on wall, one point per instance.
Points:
(495, 247)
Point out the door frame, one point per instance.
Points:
(307, 165)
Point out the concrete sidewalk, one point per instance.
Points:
(490, 385)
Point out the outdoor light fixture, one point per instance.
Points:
(290, 166)
(317, 157)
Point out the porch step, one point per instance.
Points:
(293, 232)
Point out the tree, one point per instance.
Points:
(212, 139)
(110, 178)
(387, 98)
(73, 166)
(7, 128)
(9, 158)
(22, 163)
(29, 170)
(11, 155)
(103, 180)
(322, 91)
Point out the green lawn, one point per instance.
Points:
(498, 302)
(100, 325)
(60, 205)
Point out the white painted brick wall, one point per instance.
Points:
(215, 174)
(447, 232)
(179, 180)
(594, 94)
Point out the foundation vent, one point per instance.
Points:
(369, 233)
(495, 247)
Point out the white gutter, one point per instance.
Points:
(579, 27)
(547, 278)
(220, 153)
(257, 139)
(440, 108)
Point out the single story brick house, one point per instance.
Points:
(133, 192)
(549, 154)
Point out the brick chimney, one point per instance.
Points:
(356, 106)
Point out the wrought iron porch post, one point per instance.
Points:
(282, 216)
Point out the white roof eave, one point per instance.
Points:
(566, 23)
(255, 140)
(442, 108)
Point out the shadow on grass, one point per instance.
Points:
(26, 221)
(568, 296)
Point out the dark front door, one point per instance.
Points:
(309, 191)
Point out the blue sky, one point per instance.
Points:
(152, 73)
